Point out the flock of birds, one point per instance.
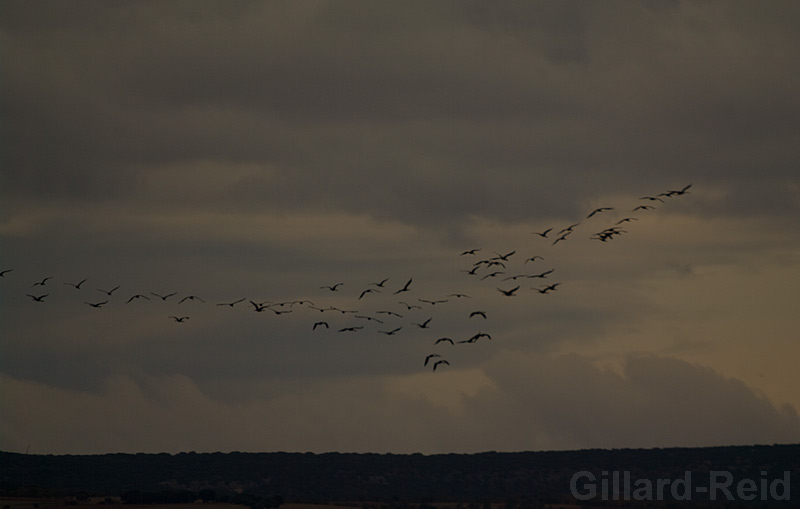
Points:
(398, 308)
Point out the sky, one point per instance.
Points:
(258, 152)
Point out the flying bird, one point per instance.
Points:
(508, 293)
(391, 332)
(404, 288)
(643, 207)
(109, 292)
(671, 193)
(410, 306)
(598, 210)
(369, 318)
(333, 288)
(568, 228)
(476, 337)
(459, 295)
(231, 304)
(320, 324)
(139, 296)
(77, 286)
(380, 283)
(493, 274)
(3, 273)
(546, 289)
(351, 329)
(470, 251)
(38, 298)
(433, 302)
(652, 198)
(398, 315)
(543, 234)
(97, 304)
(259, 306)
(423, 325)
(429, 357)
(502, 257)
(478, 313)
(164, 297)
(180, 319)
(442, 340)
(368, 290)
(543, 274)
(533, 259)
(437, 363)
(190, 297)
(42, 282)
(559, 239)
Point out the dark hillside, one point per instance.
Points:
(306, 477)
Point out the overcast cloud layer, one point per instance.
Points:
(265, 150)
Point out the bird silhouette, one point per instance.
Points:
(476, 337)
(42, 282)
(543, 234)
(231, 304)
(259, 306)
(333, 288)
(470, 251)
(4, 272)
(77, 286)
(643, 207)
(380, 284)
(97, 304)
(109, 292)
(478, 313)
(320, 324)
(423, 325)
(433, 302)
(164, 297)
(38, 298)
(502, 257)
(560, 238)
(548, 288)
(368, 290)
(398, 315)
(410, 306)
(569, 228)
(369, 318)
(543, 275)
(680, 192)
(190, 297)
(493, 274)
(508, 293)
(351, 329)
(180, 319)
(391, 332)
(598, 210)
(533, 259)
(137, 296)
(439, 363)
(429, 357)
(443, 340)
(404, 288)
(459, 295)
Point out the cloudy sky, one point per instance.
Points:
(264, 150)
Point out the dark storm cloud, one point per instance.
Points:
(399, 90)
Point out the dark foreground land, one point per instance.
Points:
(736, 476)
